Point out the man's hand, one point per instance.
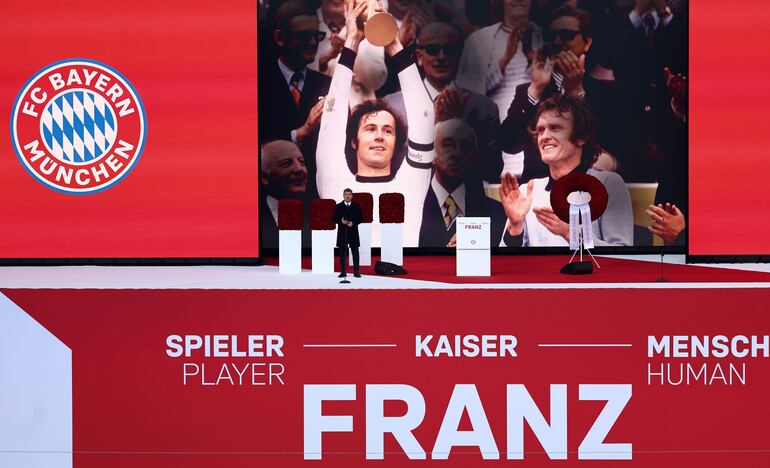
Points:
(407, 30)
(661, 8)
(450, 104)
(312, 121)
(542, 71)
(414, 20)
(548, 218)
(394, 47)
(643, 6)
(355, 34)
(573, 68)
(515, 204)
(452, 242)
(667, 222)
(337, 42)
(512, 46)
(677, 88)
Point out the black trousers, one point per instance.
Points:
(344, 259)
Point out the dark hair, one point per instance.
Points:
(347, 190)
(288, 10)
(366, 108)
(583, 123)
(583, 17)
(460, 40)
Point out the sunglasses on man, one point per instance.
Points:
(566, 35)
(306, 36)
(435, 49)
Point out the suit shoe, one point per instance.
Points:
(357, 274)
(342, 275)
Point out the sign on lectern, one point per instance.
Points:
(473, 246)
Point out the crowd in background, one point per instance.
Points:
(487, 66)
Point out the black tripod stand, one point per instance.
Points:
(344, 257)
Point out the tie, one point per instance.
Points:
(649, 23)
(296, 94)
(452, 211)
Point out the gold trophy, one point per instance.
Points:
(381, 28)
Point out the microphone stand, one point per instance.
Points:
(345, 257)
(662, 279)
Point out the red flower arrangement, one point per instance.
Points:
(322, 215)
(392, 208)
(578, 182)
(291, 215)
(366, 202)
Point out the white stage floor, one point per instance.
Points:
(267, 277)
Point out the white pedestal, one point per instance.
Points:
(290, 252)
(323, 251)
(365, 251)
(392, 243)
(474, 263)
(474, 257)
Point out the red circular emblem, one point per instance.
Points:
(78, 126)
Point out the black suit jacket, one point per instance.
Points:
(278, 115)
(433, 232)
(642, 101)
(350, 213)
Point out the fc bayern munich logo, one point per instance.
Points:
(78, 126)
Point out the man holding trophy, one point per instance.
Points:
(360, 152)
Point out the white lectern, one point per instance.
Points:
(474, 254)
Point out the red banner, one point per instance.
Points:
(147, 129)
(719, 225)
(359, 378)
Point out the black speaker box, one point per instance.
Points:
(388, 269)
(578, 268)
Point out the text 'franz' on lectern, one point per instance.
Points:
(474, 254)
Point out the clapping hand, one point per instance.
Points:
(542, 71)
(515, 203)
(511, 46)
(573, 68)
(450, 104)
(677, 88)
(312, 121)
(667, 222)
(643, 6)
(414, 20)
(548, 218)
(337, 42)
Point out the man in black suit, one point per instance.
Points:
(456, 188)
(347, 216)
(290, 94)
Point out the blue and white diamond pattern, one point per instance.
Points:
(78, 126)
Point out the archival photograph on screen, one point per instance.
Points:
(476, 108)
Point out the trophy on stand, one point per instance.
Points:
(381, 27)
(578, 199)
